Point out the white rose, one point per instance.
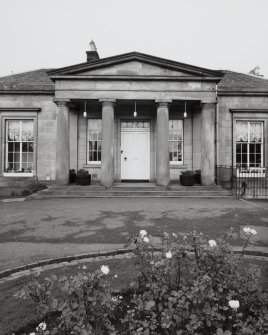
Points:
(169, 254)
(253, 231)
(247, 230)
(212, 243)
(41, 326)
(145, 239)
(234, 304)
(105, 269)
(143, 233)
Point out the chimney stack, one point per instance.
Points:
(92, 54)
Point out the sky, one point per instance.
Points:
(215, 34)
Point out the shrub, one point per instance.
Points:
(82, 172)
(187, 173)
(185, 286)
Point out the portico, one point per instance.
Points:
(159, 142)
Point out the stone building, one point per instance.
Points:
(131, 117)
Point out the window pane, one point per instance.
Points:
(27, 131)
(238, 148)
(241, 131)
(255, 132)
(244, 158)
(13, 130)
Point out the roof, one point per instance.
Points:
(40, 81)
(234, 81)
(136, 56)
(37, 80)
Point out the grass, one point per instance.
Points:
(16, 313)
(19, 316)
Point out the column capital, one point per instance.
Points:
(208, 103)
(62, 102)
(107, 101)
(163, 102)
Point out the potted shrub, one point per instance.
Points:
(72, 175)
(197, 176)
(187, 178)
(83, 177)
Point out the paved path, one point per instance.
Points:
(40, 229)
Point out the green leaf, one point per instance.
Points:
(54, 304)
(149, 304)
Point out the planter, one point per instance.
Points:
(72, 178)
(197, 177)
(187, 180)
(83, 179)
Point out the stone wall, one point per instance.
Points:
(46, 129)
(225, 123)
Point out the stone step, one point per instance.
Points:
(110, 193)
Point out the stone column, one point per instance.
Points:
(162, 143)
(62, 144)
(107, 148)
(208, 143)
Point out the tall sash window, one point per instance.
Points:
(249, 144)
(94, 140)
(176, 141)
(19, 146)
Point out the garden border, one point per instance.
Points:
(67, 259)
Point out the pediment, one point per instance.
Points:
(134, 64)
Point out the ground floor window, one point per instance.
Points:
(94, 140)
(19, 146)
(249, 144)
(176, 141)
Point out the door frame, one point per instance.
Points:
(147, 130)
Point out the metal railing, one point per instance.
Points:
(244, 182)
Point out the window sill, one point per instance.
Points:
(177, 166)
(92, 165)
(17, 174)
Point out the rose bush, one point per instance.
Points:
(184, 286)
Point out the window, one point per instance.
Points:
(249, 144)
(94, 140)
(19, 147)
(176, 141)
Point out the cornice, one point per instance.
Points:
(250, 110)
(22, 92)
(243, 93)
(136, 78)
(19, 109)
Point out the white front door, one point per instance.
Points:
(135, 151)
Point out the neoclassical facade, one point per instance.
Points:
(131, 117)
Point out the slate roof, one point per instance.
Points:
(37, 80)
(234, 81)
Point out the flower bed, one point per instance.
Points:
(195, 287)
